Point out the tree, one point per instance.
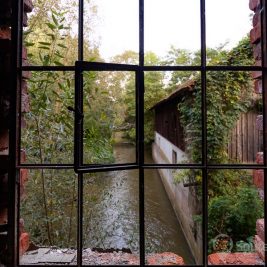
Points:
(154, 91)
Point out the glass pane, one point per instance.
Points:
(111, 29)
(49, 214)
(173, 216)
(236, 217)
(51, 37)
(172, 28)
(173, 117)
(109, 128)
(111, 218)
(48, 133)
(231, 35)
(234, 117)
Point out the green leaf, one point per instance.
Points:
(44, 47)
(54, 19)
(61, 45)
(28, 44)
(51, 26)
(44, 43)
(58, 63)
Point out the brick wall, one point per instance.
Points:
(258, 175)
(5, 91)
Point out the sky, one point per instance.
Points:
(169, 22)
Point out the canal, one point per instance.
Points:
(111, 211)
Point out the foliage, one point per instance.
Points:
(154, 91)
(235, 215)
(234, 206)
(49, 209)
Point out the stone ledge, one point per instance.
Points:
(259, 246)
(235, 258)
(68, 257)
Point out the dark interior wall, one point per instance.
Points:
(5, 96)
(167, 123)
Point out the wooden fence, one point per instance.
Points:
(245, 139)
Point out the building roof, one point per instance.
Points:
(182, 88)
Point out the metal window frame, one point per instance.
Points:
(14, 144)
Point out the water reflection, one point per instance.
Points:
(112, 211)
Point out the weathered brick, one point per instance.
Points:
(28, 6)
(21, 226)
(23, 123)
(255, 33)
(24, 53)
(25, 20)
(259, 122)
(258, 86)
(5, 32)
(4, 139)
(26, 74)
(25, 106)
(22, 156)
(234, 259)
(259, 246)
(24, 174)
(258, 178)
(254, 4)
(166, 258)
(24, 243)
(256, 74)
(259, 158)
(260, 228)
(257, 51)
(3, 216)
(256, 18)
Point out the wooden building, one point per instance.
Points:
(167, 117)
(245, 140)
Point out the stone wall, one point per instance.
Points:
(5, 93)
(183, 199)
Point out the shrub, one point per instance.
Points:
(234, 215)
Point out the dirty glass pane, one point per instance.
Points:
(234, 117)
(48, 212)
(109, 117)
(172, 114)
(111, 218)
(47, 124)
(173, 216)
(236, 217)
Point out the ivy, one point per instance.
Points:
(228, 95)
(234, 205)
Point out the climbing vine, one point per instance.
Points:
(228, 95)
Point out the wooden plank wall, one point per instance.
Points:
(245, 139)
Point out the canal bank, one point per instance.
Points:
(113, 219)
(185, 203)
